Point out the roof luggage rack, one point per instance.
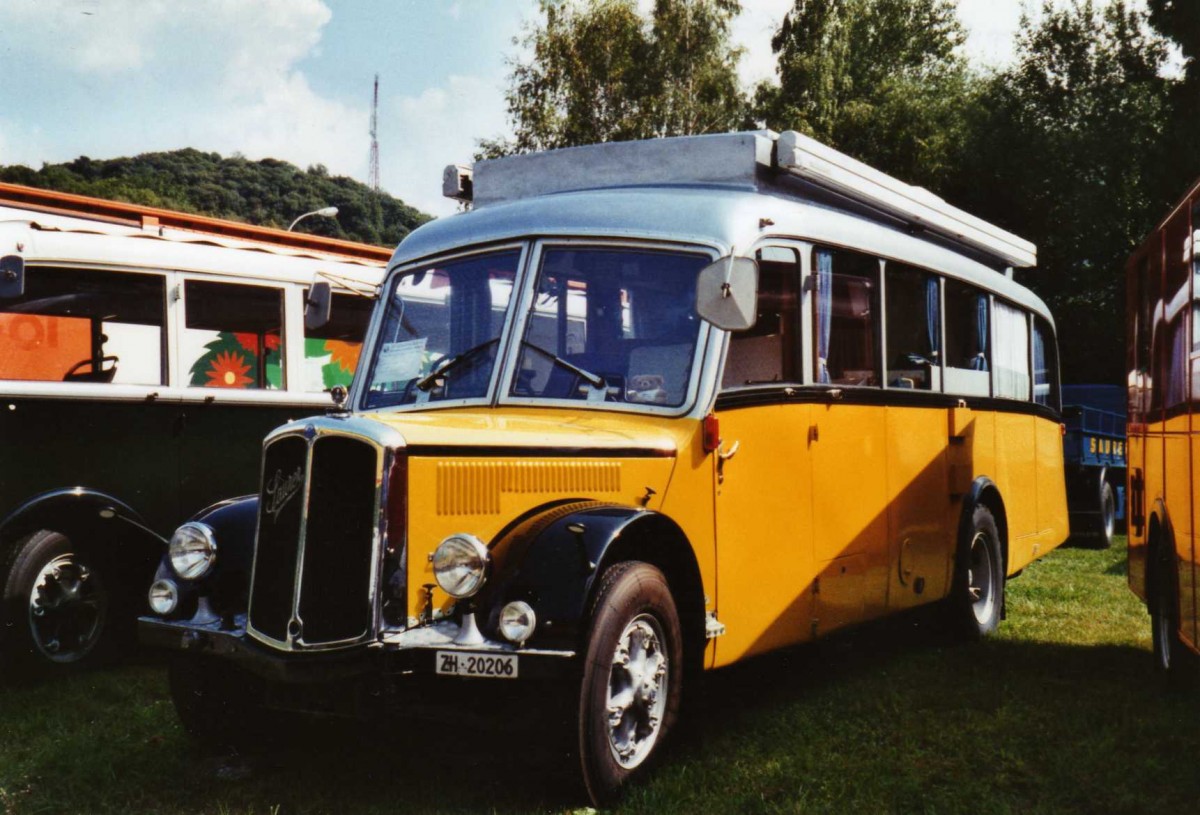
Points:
(758, 160)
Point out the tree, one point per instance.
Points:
(1066, 152)
(600, 71)
(882, 80)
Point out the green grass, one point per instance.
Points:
(1059, 713)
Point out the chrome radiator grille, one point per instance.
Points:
(318, 526)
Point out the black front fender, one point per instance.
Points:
(553, 559)
(227, 586)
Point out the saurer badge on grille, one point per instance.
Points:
(280, 490)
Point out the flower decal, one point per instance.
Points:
(228, 370)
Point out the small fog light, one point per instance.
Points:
(164, 597)
(517, 621)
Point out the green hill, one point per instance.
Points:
(268, 192)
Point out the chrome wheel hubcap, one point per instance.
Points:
(980, 578)
(66, 609)
(637, 691)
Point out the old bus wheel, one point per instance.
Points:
(57, 604)
(632, 677)
(1171, 657)
(978, 593)
(1108, 514)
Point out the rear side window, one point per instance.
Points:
(231, 336)
(80, 325)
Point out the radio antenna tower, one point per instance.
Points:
(373, 172)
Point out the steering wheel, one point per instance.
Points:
(103, 374)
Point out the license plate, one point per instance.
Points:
(494, 666)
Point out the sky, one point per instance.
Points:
(292, 79)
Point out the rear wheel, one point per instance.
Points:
(976, 600)
(58, 604)
(632, 679)
(1171, 656)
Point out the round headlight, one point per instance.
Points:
(193, 550)
(517, 621)
(460, 565)
(164, 597)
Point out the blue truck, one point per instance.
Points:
(1094, 455)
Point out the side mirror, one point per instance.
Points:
(12, 276)
(316, 307)
(727, 293)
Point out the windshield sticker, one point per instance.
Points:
(399, 361)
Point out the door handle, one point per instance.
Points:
(722, 457)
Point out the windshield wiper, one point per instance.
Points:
(426, 382)
(595, 380)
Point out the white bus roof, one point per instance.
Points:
(789, 164)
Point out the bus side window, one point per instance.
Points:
(770, 350)
(331, 351)
(913, 328)
(1012, 352)
(231, 336)
(81, 325)
(967, 333)
(1045, 365)
(847, 318)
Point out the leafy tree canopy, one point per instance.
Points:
(882, 80)
(267, 192)
(601, 71)
(1069, 152)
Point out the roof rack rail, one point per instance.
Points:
(141, 217)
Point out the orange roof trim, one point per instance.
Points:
(122, 214)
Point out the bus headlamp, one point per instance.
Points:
(460, 565)
(164, 597)
(193, 550)
(517, 622)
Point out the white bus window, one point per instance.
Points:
(847, 318)
(231, 336)
(1012, 352)
(331, 352)
(967, 332)
(913, 328)
(1045, 365)
(770, 350)
(79, 325)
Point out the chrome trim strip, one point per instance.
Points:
(387, 443)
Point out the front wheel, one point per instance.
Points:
(1108, 515)
(57, 602)
(632, 678)
(976, 601)
(218, 705)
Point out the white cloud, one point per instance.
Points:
(420, 135)
(753, 30)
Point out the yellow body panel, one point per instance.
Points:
(826, 515)
(922, 516)
(764, 531)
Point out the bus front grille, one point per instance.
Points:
(317, 527)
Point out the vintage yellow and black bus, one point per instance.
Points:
(144, 354)
(1164, 383)
(683, 401)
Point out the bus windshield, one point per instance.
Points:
(611, 325)
(441, 331)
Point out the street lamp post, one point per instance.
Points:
(326, 212)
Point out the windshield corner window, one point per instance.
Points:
(611, 325)
(441, 331)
